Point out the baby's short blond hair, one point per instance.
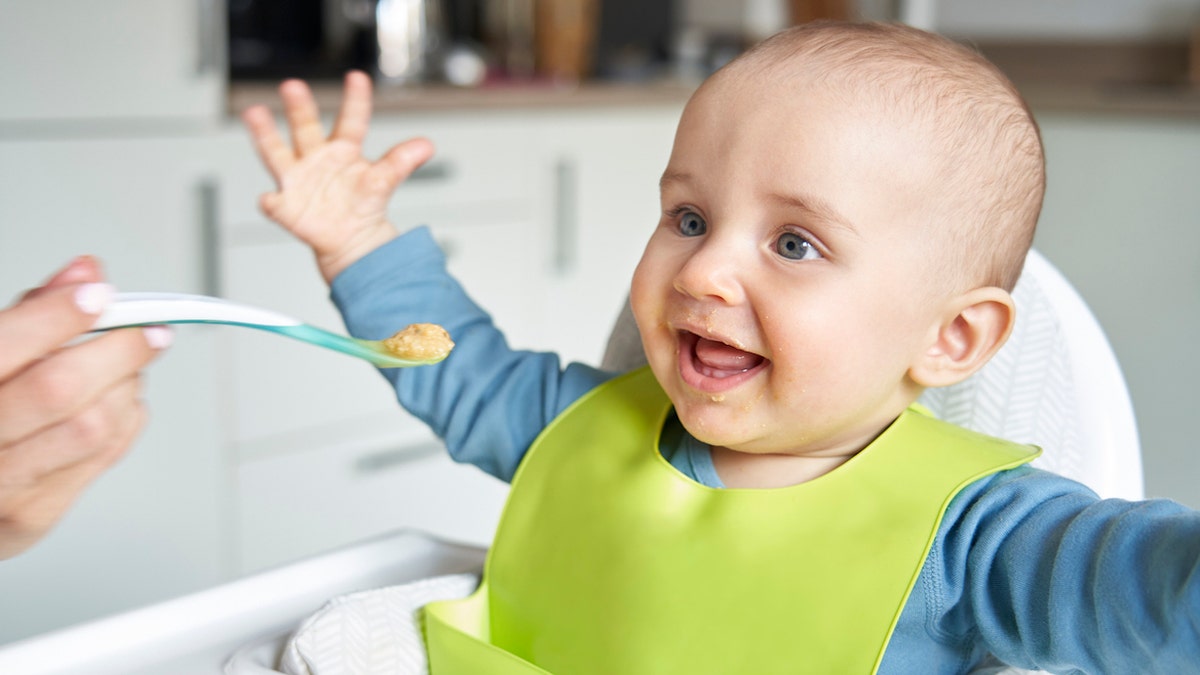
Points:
(986, 198)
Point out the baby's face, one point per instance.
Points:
(785, 291)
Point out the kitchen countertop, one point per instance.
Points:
(399, 99)
(1167, 100)
(1122, 78)
(1095, 77)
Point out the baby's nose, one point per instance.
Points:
(713, 274)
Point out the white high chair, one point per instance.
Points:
(1056, 383)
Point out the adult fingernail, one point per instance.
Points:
(79, 269)
(158, 337)
(93, 298)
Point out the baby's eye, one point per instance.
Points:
(795, 247)
(692, 225)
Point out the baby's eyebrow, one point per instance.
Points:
(670, 177)
(815, 206)
(810, 204)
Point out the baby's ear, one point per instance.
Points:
(975, 326)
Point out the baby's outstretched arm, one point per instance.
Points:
(329, 195)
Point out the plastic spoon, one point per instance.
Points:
(141, 309)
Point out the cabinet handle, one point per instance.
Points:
(383, 460)
(566, 219)
(208, 200)
(209, 43)
(430, 173)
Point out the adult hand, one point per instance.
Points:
(68, 409)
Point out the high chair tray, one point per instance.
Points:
(197, 633)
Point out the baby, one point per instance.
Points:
(844, 212)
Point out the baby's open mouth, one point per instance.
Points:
(703, 360)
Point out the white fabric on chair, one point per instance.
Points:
(373, 631)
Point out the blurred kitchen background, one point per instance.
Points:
(119, 137)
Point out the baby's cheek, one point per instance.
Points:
(646, 299)
(640, 289)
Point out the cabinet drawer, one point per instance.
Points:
(296, 505)
(280, 386)
(477, 161)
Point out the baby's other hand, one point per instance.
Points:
(329, 195)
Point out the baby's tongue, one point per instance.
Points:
(720, 356)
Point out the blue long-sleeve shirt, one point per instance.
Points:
(1027, 566)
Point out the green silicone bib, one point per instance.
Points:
(608, 560)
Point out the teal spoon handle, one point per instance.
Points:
(142, 309)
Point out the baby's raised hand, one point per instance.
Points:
(329, 195)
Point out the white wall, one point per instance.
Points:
(1122, 222)
(1086, 19)
(1099, 19)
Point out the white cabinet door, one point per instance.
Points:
(82, 59)
(152, 527)
(346, 491)
(601, 171)
(325, 455)
(475, 196)
(137, 203)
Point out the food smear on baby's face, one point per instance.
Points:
(420, 342)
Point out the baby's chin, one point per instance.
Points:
(713, 424)
(751, 429)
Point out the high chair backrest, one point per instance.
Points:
(1056, 383)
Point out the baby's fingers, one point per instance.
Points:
(271, 148)
(355, 113)
(303, 118)
(400, 162)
